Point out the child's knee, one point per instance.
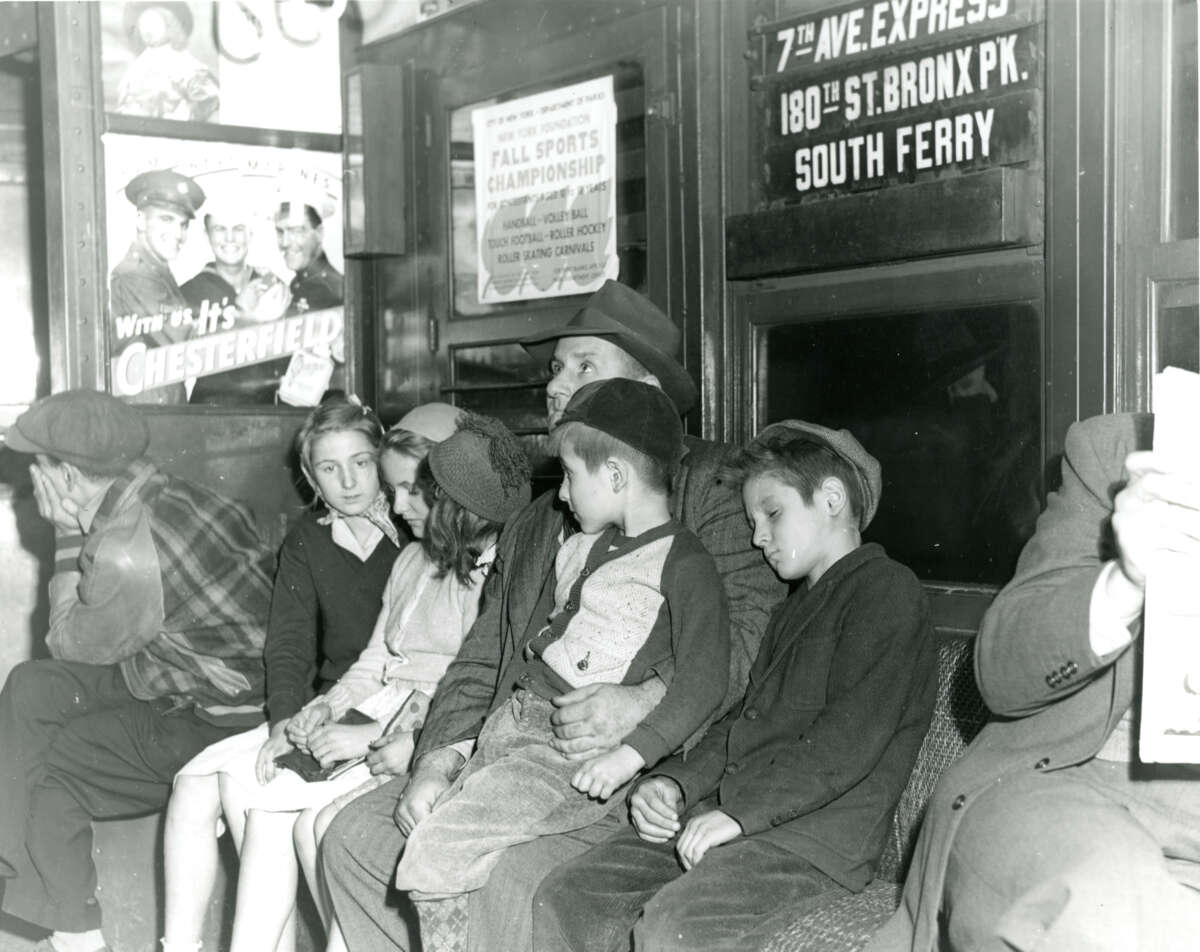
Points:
(323, 819)
(302, 829)
(663, 927)
(194, 799)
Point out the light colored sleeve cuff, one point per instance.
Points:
(465, 748)
(1109, 617)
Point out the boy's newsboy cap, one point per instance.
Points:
(842, 443)
(638, 414)
(98, 433)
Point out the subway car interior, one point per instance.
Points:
(951, 227)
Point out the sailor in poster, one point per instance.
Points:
(228, 293)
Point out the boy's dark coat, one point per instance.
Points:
(840, 697)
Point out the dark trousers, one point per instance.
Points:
(75, 746)
(733, 899)
(358, 857)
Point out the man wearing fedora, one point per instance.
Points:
(158, 613)
(617, 333)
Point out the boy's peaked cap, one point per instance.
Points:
(638, 414)
(842, 442)
(634, 323)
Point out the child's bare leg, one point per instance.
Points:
(305, 840)
(266, 895)
(334, 941)
(234, 804)
(190, 858)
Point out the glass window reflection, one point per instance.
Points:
(949, 402)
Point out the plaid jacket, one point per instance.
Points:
(173, 583)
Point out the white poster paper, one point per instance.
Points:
(1170, 707)
(545, 193)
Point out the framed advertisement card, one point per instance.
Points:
(225, 272)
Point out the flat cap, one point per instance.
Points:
(166, 188)
(96, 432)
(842, 443)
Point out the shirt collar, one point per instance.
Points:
(378, 514)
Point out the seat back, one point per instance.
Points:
(958, 715)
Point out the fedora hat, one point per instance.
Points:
(620, 314)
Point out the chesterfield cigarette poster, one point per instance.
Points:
(225, 272)
(545, 193)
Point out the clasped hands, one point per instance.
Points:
(655, 809)
(314, 730)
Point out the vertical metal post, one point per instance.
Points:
(73, 119)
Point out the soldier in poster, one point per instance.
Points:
(145, 302)
(300, 230)
(316, 285)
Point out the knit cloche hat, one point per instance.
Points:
(483, 468)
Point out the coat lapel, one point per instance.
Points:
(791, 622)
(537, 549)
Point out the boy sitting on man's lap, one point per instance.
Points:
(636, 596)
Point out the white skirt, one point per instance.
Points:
(236, 756)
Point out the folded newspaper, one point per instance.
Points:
(1170, 706)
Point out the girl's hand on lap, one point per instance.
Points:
(391, 754)
(702, 833)
(276, 745)
(307, 721)
(332, 743)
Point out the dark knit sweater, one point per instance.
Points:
(323, 610)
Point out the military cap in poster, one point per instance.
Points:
(166, 188)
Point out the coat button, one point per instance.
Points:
(751, 714)
(731, 768)
(569, 607)
(959, 802)
(1042, 764)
